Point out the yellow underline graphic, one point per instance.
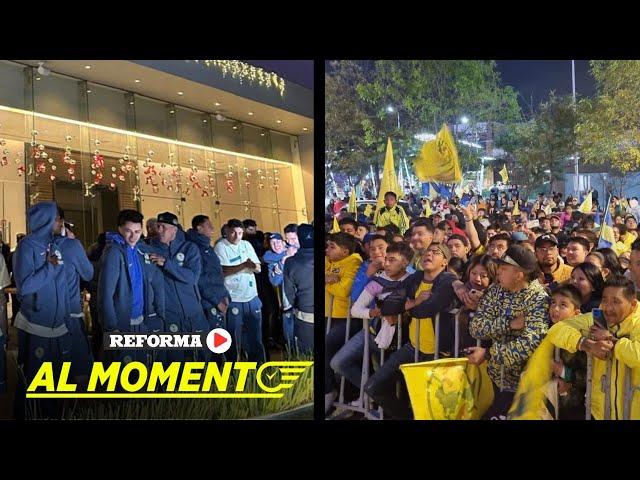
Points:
(155, 395)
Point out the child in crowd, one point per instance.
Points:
(341, 265)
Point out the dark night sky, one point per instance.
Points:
(297, 71)
(537, 77)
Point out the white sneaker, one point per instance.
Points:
(329, 398)
(356, 403)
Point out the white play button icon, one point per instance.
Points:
(218, 340)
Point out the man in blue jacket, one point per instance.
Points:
(274, 258)
(38, 270)
(131, 294)
(76, 266)
(298, 288)
(181, 264)
(215, 297)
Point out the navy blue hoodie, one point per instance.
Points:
(76, 266)
(42, 288)
(181, 273)
(211, 281)
(115, 297)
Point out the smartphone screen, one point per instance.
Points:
(598, 318)
(465, 200)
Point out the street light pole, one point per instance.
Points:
(576, 183)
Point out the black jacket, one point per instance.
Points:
(298, 280)
(442, 300)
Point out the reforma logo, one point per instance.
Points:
(217, 340)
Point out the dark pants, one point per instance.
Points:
(334, 340)
(501, 403)
(303, 334)
(244, 323)
(381, 387)
(33, 351)
(97, 333)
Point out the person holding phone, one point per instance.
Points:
(615, 350)
(38, 270)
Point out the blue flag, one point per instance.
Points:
(425, 189)
(607, 238)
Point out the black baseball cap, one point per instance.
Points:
(547, 237)
(518, 256)
(169, 218)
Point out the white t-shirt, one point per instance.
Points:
(242, 285)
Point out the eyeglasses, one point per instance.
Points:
(547, 249)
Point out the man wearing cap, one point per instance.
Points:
(181, 264)
(239, 265)
(551, 264)
(556, 225)
(275, 258)
(298, 289)
(215, 297)
(429, 292)
(513, 315)
(130, 292)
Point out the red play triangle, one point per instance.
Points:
(218, 340)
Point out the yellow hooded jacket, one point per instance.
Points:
(626, 353)
(341, 291)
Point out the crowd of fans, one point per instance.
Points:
(515, 272)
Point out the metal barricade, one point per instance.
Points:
(556, 357)
(366, 359)
(330, 313)
(629, 392)
(605, 385)
(587, 403)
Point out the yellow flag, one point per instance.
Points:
(438, 159)
(352, 201)
(427, 209)
(368, 210)
(516, 208)
(336, 227)
(586, 205)
(504, 174)
(547, 209)
(389, 182)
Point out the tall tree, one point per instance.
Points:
(424, 94)
(608, 131)
(546, 142)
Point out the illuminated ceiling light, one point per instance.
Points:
(279, 121)
(88, 91)
(88, 67)
(180, 93)
(250, 113)
(262, 134)
(172, 111)
(204, 121)
(235, 127)
(217, 104)
(137, 80)
(37, 78)
(305, 129)
(131, 102)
